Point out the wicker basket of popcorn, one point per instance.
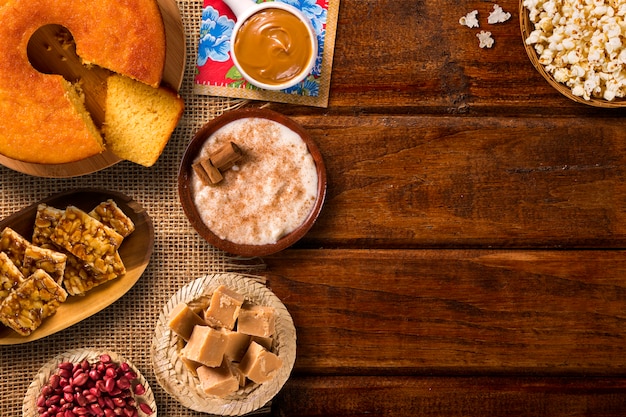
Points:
(572, 56)
(202, 387)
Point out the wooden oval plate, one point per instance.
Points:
(175, 59)
(135, 251)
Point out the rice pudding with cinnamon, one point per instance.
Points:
(268, 194)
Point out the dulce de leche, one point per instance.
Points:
(273, 46)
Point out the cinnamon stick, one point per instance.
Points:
(225, 157)
(213, 173)
(199, 170)
(210, 169)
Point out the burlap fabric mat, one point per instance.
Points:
(180, 255)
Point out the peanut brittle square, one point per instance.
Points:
(14, 245)
(80, 278)
(10, 276)
(109, 213)
(45, 221)
(51, 261)
(38, 297)
(88, 239)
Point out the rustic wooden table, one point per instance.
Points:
(469, 258)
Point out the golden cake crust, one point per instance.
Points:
(39, 122)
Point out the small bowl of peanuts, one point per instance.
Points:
(86, 382)
(577, 48)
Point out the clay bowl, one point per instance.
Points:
(186, 194)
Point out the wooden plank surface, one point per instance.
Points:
(451, 397)
(455, 311)
(454, 332)
(469, 258)
(429, 181)
(414, 56)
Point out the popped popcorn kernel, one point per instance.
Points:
(484, 39)
(498, 15)
(470, 20)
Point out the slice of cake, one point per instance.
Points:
(139, 119)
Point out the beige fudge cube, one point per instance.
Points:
(10, 276)
(191, 366)
(236, 370)
(266, 342)
(182, 320)
(236, 345)
(206, 346)
(219, 381)
(257, 321)
(260, 365)
(224, 308)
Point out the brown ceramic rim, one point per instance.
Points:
(184, 178)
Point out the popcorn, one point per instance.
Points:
(580, 43)
(470, 20)
(485, 40)
(498, 15)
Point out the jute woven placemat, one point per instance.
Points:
(180, 255)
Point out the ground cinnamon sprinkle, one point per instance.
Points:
(268, 194)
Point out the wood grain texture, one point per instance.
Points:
(399, 57)
(451, 397)
(444, 181)
(469, 257)
(392, 312)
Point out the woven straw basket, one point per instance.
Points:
(175, 377)
(29, 408)
(527, 27)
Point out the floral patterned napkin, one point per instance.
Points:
(216, 74)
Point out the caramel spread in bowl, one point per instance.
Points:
(273, 46)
